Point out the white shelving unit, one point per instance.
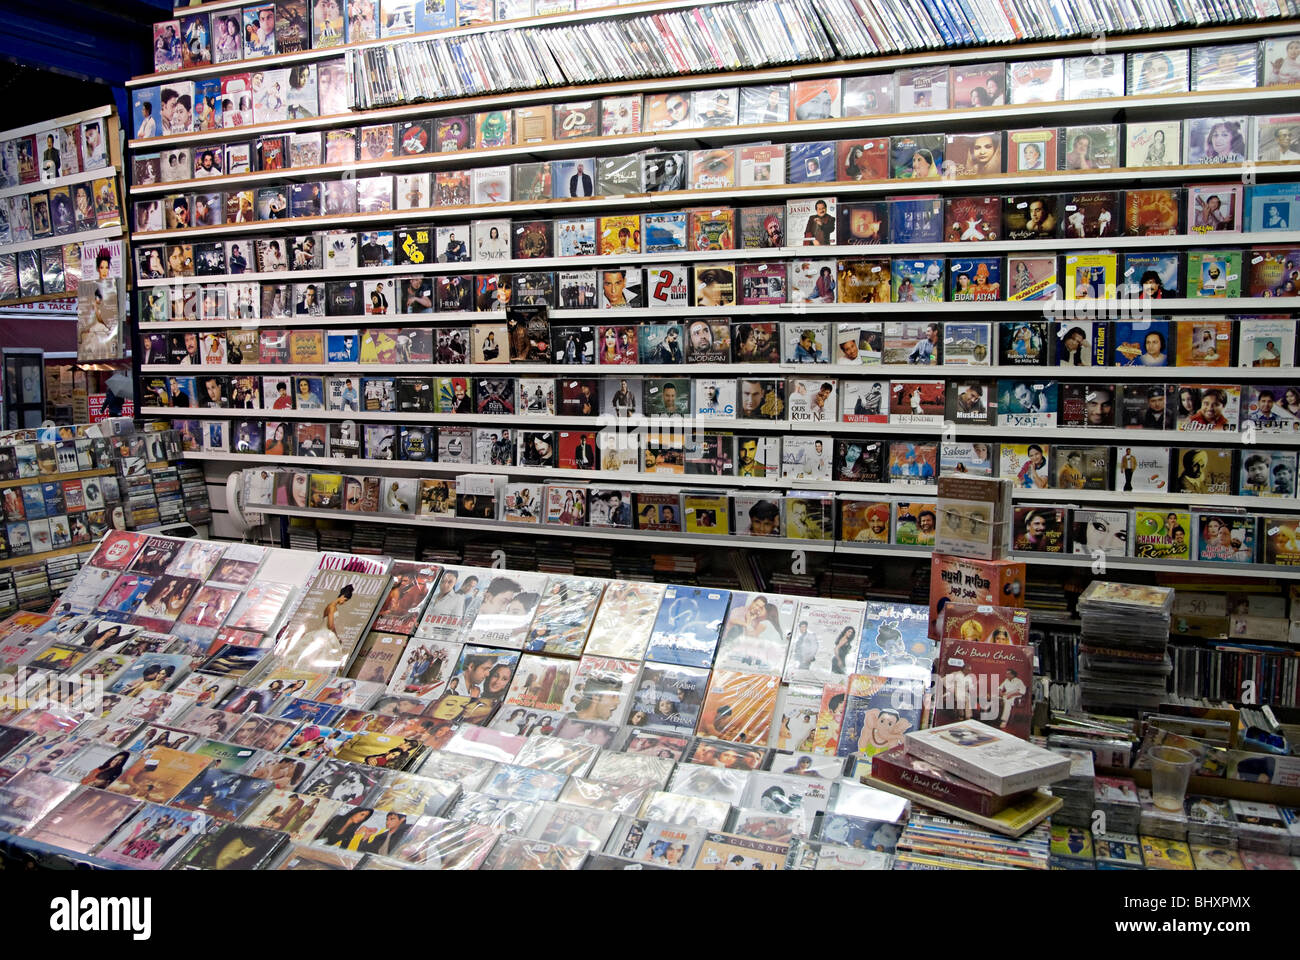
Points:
(1058, 113)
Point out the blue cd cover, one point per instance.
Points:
(687, 628)
(1273, 206)
(435, 15)
(978, 278)
(1141, 343)
(1150, 276)
(916, 220)
(811, 162)
(342, 346)
(664, 232)
(896, 641)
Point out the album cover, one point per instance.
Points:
(1267, 473)
(858, 344)
(1036, 81)
(1023, 342)
(1033, 217)
(1142, 470)
(1214, 273)
(910, 342)
(1090, 276)
(1271, 407)
(1226, 538)
(1033, 150)
(916, 219)
(1207, 470)
(1162, 535)
(917, 281)
(712, 169)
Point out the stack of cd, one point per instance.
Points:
(556, 557)
(1077, 794)
(60, 571)
(1123, 660)
(431, 554)
(519, 554)
(1155, 822)
(303, 538)
(399, 542)
(167, 491)
(1117, 799)
(194, 491)
(974, 516)
(1260, 826)
(1210, 822)
(1046, 595)
(803, 585)
(844, 584)
(32, 585)
(637, 567)
(8, 593)
(364, 538)
(592, 559)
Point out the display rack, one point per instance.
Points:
(1176, 106)
(105, 186)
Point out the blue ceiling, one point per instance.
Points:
(58, 56)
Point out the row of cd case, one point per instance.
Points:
(1201, 208)
(1199, 274)
(1130, 469)
(1201, 534)
(925, 219)
(906, 90)
(1231, 139)
(679, 401)
(1205, 341)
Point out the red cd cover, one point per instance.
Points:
(578, 450)
(971, 580)
(984, 681)
(973, 219)
(866, 159)
(1152, 213)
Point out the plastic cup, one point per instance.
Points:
(1170, 770)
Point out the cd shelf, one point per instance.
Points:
(789, 311)
(809, 129)
(1021, 434)
(86, 236)
(609, 476)
(1166, 107)
(806, 370)
(1030, 50)
(895, 551)
(95, 113)
(768, 543)
(919, 250)
(11, 562)
(45, 477)
(668, 201)
(98, 173)
(713, 482)
(318, 53)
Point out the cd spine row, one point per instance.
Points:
(748, 35)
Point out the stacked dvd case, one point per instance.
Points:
(1123, 660)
